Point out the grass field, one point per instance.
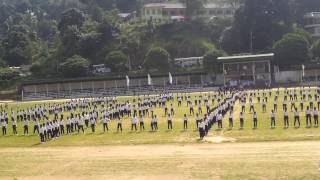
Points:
(259, 160)
(173, 154)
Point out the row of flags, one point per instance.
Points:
(149, 80)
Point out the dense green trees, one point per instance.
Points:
(8, 74)
(292, 49)
(157, 58)
(193, 7)
(48, 34)
(76, 66)
(258, 24)
(117, 61)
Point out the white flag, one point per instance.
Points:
(149, 80)
(170, 78)
(128, 81)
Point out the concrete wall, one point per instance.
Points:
(288, 76)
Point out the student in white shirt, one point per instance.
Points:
(315, 117)
(36, 127)
(202, 129)
(134, 123)
(93, 124)
(14, 127)
(185, 122)
(119, 126)
(255, 120)
(105, 122)
(273, 119)
(231, 120)
(219, 119)
(41, 133)
(155, 123)
(198, 120)
(26, 127)
(308, 117)
(61, 123)
(286, 118)
(141, 121)
(296, 117)
(80, 124)
(241, 117)
(169, 119)
(68, 125)
(4, 127)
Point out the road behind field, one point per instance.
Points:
(268, 160)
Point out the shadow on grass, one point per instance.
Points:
(37, 144)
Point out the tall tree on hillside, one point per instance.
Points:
(71, 17)
(258, 24)
(292, 49)
(193, 7)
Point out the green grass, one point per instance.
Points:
(165, 154)
(263, 133)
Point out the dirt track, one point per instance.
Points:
(270, 160)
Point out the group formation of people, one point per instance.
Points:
(296, 104)
(52, 120)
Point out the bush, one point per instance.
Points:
(76, 66)
(2, 63)
(36, 69)
(8, 74)
(117, 61)
(157, 58)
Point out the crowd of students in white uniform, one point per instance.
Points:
(87, 113)
(49, 120)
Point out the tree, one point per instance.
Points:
(18, 56)
(257, 25)
(8, 74)
(2, 63)
(117, 61)
(38, 69)
(316, 50)
(210, 60)
(292, 49)
(71, 17)
(193, 7)
(76, 66)
(17, 47)
(304, 34)
(157, 58)
(70, 41)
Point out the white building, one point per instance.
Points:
(312, 23)
(158, 11)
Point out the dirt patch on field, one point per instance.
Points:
(198, 161)
(219, 139)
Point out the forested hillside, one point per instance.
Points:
(57, 37)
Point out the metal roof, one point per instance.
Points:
(250, 57)
(182, 6)
(166, 5)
